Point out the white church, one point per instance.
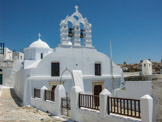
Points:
(69, 63)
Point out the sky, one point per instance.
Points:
(134, 26)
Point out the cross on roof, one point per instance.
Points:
(76, 8)
(39, 35)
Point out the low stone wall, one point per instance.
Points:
(156, 92)
(85, 115)
(53, 107)
(45, 106)
(128, 74)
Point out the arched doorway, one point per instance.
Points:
(1, 77)
(53, 88)
(53, 93)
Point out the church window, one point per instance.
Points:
(41, 55)
(55, 69)
(97, 69)
(144, 65)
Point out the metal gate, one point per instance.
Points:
(65, 106)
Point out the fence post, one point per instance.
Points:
(74, 97)
(42, 92)
(146, 108)
(108, 106)
(59, 93)
(103, 101)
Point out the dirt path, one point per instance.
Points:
(11, 109)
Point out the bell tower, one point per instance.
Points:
(64, 33)
(75, 33)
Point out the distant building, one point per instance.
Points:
(18, 55)
(125, 69)
(10, 62)
(7, 55)
(146, 68)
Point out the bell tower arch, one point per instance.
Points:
(75, 33)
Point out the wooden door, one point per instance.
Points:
(53, 88)
(53, 93)
(97, 90)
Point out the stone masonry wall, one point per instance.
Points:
(156, 92)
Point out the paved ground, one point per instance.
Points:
(11, 109)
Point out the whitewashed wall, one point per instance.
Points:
(34, 53)
(9, 70)
(6, 76)
(135, 89)
(7, 54)
(38, 82)
(53, 107)
(86, 115)
(76, 59)
(20, 81)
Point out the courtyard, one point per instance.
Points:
(12, 110)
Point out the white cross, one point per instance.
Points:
(39, 35)
(76, 7)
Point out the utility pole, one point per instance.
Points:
(112, 70)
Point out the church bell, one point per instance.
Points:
(81, 34)
(70, 32)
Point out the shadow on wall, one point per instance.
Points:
(17, 100)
